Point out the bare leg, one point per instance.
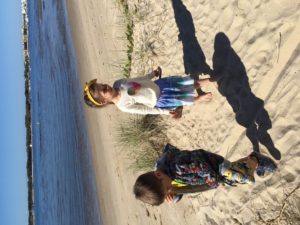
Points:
(251, 162)
(157, 72)
(200, 83)
(242, 171)
(203, 98)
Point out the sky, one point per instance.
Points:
(13, 179)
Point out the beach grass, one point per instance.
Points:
(141, 136)
(143, 140)
(124, 7)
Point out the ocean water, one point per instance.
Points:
(64, 180)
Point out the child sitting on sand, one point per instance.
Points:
(179, 172)
(141, 95)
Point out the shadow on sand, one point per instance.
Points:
(230, 74)
(193, 56)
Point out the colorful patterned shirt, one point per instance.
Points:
(195, 167)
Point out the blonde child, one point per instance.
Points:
(141, 95)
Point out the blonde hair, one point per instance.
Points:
(88, 101)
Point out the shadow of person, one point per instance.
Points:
(193, 56)
(230, 74)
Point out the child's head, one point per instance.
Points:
(96, 94)
(152, 187)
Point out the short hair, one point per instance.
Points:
(149, 189)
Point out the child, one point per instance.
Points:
(179, 172)
(141, 95)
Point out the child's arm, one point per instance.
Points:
(143, 109)
(190, 189)
(172, 198)
(177, 113)
(154, 73)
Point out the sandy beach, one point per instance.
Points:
(254, 51)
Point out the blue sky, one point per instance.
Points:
(13, 186)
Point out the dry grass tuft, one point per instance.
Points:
(143, 140)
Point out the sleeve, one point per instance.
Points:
(142, 109)
(190, 189)
(171, 148)
(177, 198)
(118, 83)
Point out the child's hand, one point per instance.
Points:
(169, 198)
(221, 186)
(177, 113)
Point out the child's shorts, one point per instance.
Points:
(238, 172)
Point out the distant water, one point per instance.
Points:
(64, 180)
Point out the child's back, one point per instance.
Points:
(179, 172)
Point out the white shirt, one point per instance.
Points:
(139, 95)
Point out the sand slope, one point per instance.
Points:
(253, 49)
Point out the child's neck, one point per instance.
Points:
(116, 96)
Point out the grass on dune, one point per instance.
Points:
(142, 139)
(123, 5)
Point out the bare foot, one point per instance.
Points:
(157, 72)
(177, 113)
(204, 98)
(200, 83)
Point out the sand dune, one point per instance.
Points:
(252, 50)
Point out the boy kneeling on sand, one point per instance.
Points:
(180, 172)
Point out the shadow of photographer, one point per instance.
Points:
(193, 57)
(230, 74)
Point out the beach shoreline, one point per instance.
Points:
(88, 62)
